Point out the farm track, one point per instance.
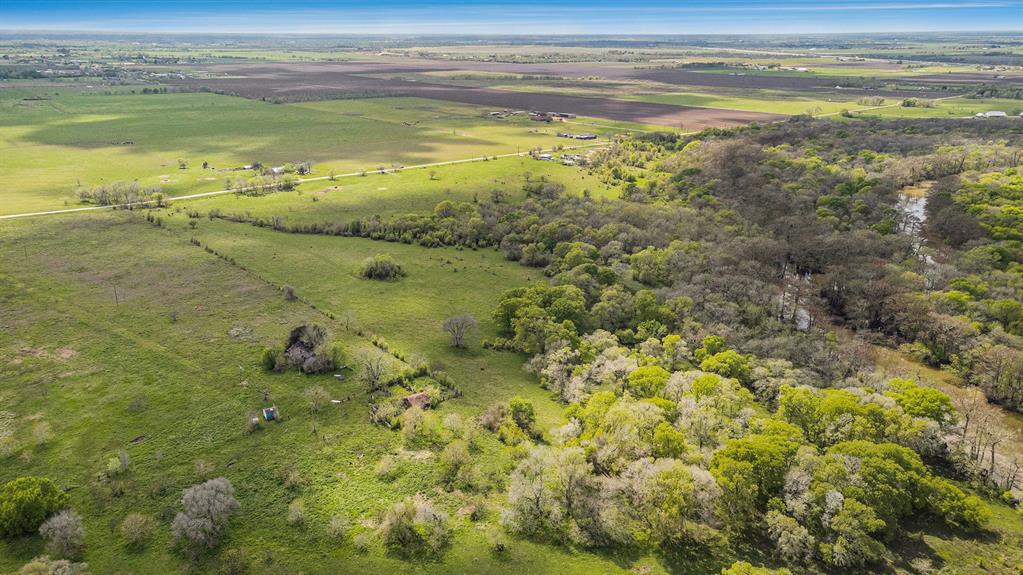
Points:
(300, 181)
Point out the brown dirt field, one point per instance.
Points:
(314, 81)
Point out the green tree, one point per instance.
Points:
(523, 413)
(729, 363)
(668, 441)
(744, 568)
(648, 381)
(26, 502)
(920, 401)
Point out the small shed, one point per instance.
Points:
(270, 413)
(421, 400)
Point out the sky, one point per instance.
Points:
(506, 17)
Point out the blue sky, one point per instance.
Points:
(508, 17)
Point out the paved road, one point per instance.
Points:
(301, 181)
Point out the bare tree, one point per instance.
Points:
(63, 534)
(317, 397)
(208, 506)
(459, 327)
(136, 529)
(372, 370)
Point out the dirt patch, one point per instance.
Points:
(7, 426)
(422, 455)
(61, 353)
(65, 353)
(240, 333)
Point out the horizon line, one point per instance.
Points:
(497, 34)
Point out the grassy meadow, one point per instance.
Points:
(50, 146)
(955, 108)
(390, 194)
(169, 370)
(753, 101)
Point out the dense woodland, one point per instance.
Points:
(710, 335)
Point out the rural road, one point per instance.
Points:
(300, 181)
(872, 108)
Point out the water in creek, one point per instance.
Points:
(912, 207)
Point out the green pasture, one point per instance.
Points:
(172, 364)
(753, 101)
(50, 146)
(955, 108)
(390, 194)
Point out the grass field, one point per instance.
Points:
(754, 101)
(99, 375)
(49, 146)
(955, 108)
(403, 192)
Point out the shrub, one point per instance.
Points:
(46, 566)
(234, 562)
(272, 359)
(522, 413)
(381, 267)
(413, 526)
(307, 350)
(361, 542)
(296, 513)
(136, 530)
(41, 433)
(497, 540)
(207, 508)
(337, 528)
(317, 397)
(63, 534)
(744, 568)
(493, 417)
(453, 459)
(26, 502)
(388, 467)
(118, 465)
